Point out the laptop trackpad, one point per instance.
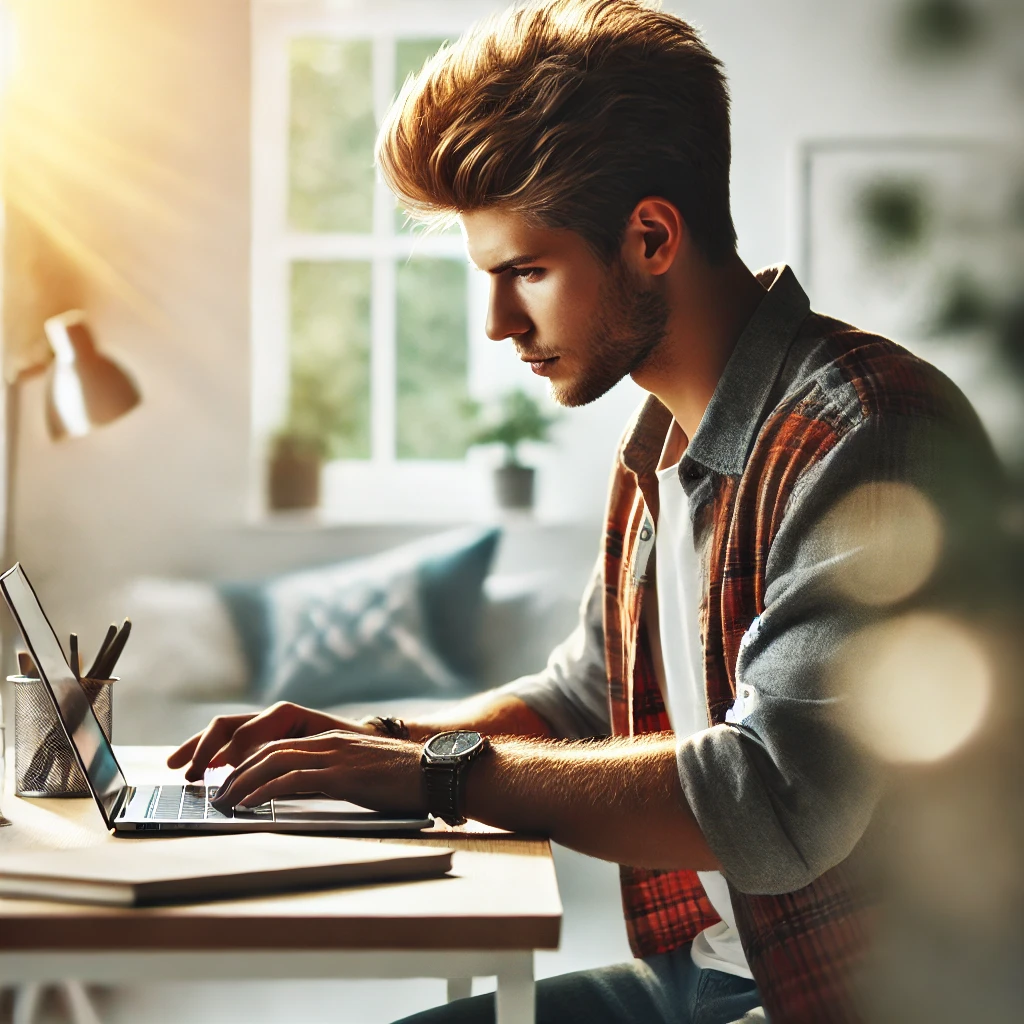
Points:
(321, 809)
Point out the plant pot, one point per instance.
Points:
(513, 486)
(293, 477)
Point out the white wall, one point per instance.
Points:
(804, 69)
(127, 153)
(127, 184)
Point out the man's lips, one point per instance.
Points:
(539, 364)
(543, 367)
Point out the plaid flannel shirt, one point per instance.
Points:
(807, 410)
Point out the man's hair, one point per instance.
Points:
(568, 112)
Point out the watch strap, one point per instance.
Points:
(444, 791)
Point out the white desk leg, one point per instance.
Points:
(26, 1003)
(515, 995)
(459, 988)
(82, 1010)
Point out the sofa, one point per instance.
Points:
(403, 631)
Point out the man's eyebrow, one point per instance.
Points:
(515, 261)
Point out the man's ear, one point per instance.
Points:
(655, 233)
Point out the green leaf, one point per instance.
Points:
(515, 418)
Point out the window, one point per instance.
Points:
(362, 325)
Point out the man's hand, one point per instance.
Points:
(229, 739)
(372, 771)
(620, 800)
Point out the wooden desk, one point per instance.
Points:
(499, 904)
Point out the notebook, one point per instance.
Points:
(140, 872)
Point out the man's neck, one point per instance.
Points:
(709, 308)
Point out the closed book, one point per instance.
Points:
(138, 872)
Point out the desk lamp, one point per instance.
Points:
(86, 389)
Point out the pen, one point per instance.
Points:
(93, 668)
(76, 665)
(113, 652)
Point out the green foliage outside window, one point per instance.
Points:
(329, 398)
(432, 359)
(331, 135)
(331, 190)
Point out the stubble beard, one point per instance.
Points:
(623, 335)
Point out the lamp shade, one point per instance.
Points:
(86, 388)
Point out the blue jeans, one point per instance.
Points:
(665, 989)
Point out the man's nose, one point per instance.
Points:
(505, 318)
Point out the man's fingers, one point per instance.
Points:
(211, 740)
(245, 739)
(300, 782)
(276, 722)
(183, 754)
(320, 741)
(261, 768)
(324, 741)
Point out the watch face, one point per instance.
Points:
(452, 744)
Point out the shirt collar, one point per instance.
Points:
(730, 423)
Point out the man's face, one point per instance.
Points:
(577, 322)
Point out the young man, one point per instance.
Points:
(584, 144)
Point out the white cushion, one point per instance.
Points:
(183, 643)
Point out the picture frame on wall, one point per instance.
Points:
(922, 241)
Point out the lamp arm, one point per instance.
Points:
(16, 375)
(12, 418)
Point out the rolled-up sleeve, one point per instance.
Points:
(785, 789)
(571, 693)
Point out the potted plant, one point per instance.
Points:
(293, 471)
(299, 446)
(516, 417)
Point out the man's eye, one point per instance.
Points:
(528, 273)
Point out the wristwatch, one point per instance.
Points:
(446, 758)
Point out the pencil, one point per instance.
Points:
(76, 666)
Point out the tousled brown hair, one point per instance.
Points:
(569, 112)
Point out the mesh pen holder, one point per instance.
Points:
(44, 763)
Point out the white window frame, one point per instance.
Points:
(382, 487)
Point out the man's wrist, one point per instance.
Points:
(419, 783)
(386, 774)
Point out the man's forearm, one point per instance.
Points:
(491, 713)
(619, 800)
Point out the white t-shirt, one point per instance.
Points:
(682, 656)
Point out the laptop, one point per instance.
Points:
(171, 808)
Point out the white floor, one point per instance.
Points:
(593, 934)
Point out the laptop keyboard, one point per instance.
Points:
(192, 803)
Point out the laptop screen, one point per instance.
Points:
(73, 708)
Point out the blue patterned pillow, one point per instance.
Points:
(397, 624)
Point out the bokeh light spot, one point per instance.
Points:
(918, 686)
(890, 536)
